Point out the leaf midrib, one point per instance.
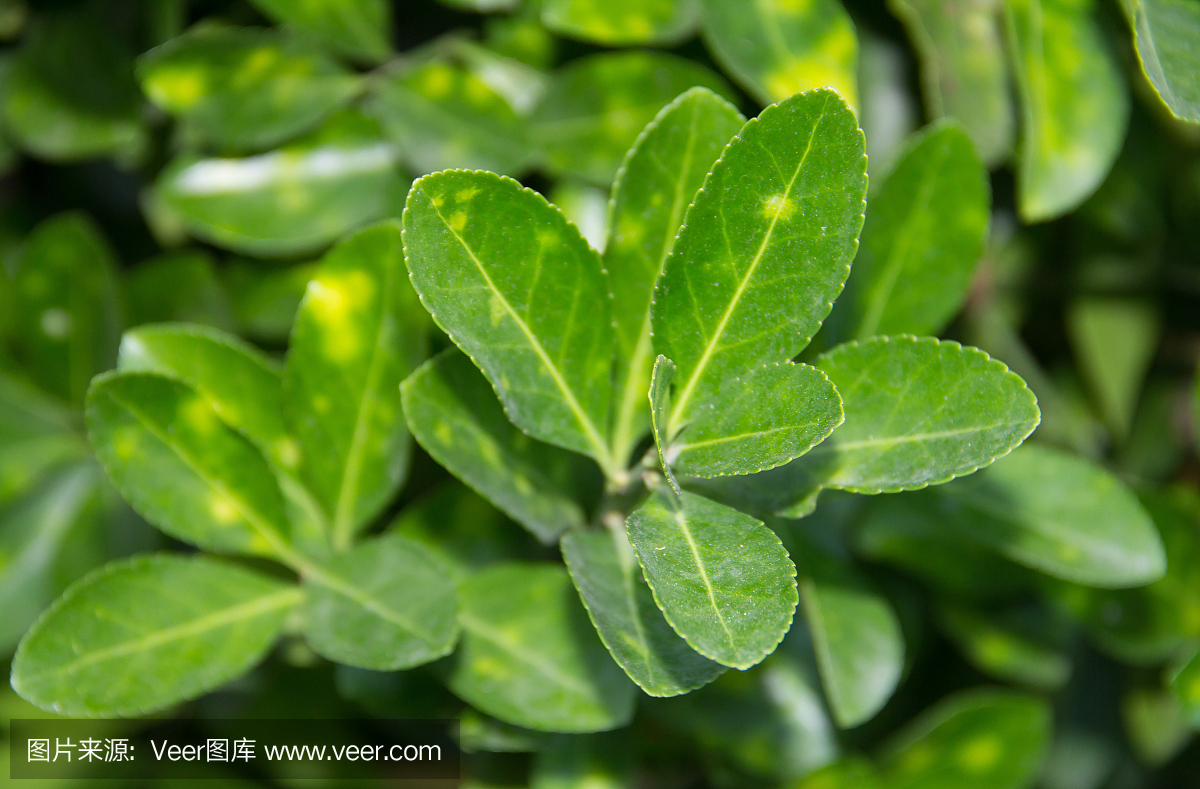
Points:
(909, 438)
(365, 599)
(485, 631)
(681, 519)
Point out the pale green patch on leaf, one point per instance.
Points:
(595, 107)
(964, 71)
(764, 249)
(182, 468)
(145, 633)
(529, 305)
(359, 332)
(245, 88)
(775, 48)
(617, 23)
(1001, 650)
(606, 573)
(454, 414)
(1074, 104)
(529, 656)
(1166, 34)
(985, 739)
(357, 28)
(385, 605)
(722, 578)
(921, 241)
(660, 176)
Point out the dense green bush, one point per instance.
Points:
(665, 480)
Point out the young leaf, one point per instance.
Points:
(765, 247)
(594, 107)
(1074, 104)
(722, 578)
(292, 200)
(985, 739)
(384, 605)
(758, 421)
(964, 73)
(443, 116)
(244, 88)
(660, 176)
(66, 323)
(621, 23)
(1165, 33)
(529, 656)
(357, 28)
(515, 301)
(453, 412)
(921, 240)
(148, 632)
(775, 48)
(1053, 512)
(177, 286)
(622, 608)
(182, 468)
(660, 406)
(359, 332)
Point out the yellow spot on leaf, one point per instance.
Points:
(288, 452)
(778, 207)
(337, 301)
(443, 433)
(177, 88)
(198, 415)
(458, 221)
(223, 509)
(437, 81)
(980, 755)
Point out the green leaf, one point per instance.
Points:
(595, 107)
(177, 286)
(142, 634)
(1165, 34)
(757, 421)
(964, 73)
(985, 739)
(516, 301)
(383, 605)
(66, 322)
(775, 48)
(853, 773)
(621, 606)
(1186, 685)
(996, 647)
(443, 116)
(245, 88)
(764, 249)
(265, 299)
(292, 200)
(358, 334)
(1156, 725)
(722, 578)
(1114, 342)
(660, 406)
(601, 761)
(454, 414)
(182, 468)
(660, 176)
(1054, 512)
(617, 23)
(357, 28)
(1074, 104)
(921, 241)
(529, 656)
(37, 433)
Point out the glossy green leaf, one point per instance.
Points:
(245, 88)
(921, 241)
(177, 286)
(37, 433)
(443, 116)
(454, 414)
(529, 656)
(292, 200)
(66, 319)
(722, 578)
(1054, 512)
(657, 182)
(182, 468)
(621, 22)
(1003, 651)
(358, 334)
(1186, 685)
(145, 633)
(660, 406)
(775, 48)
(385, 605)
(1114, 342)
(605, 571)
(265, 299)
(515, 301)
(1074, 104)
(1165, 34)
(765, 247)
(759, 420)
(595, 107)
(358, 28)
(964, 73)
(985, 739)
